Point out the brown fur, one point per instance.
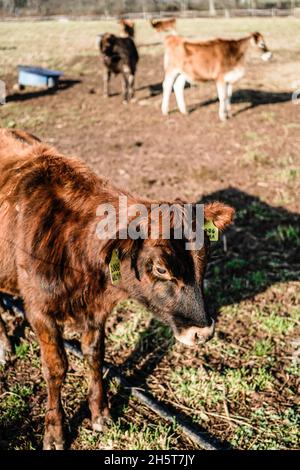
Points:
(51, 257)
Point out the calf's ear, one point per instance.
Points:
(220, 214)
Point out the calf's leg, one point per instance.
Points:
(229, 95)
(222, 94)
(106, 82)
(167, 90)
(130, 87)
(92, 345)
(125, 87)
(179, 93)
(54, 365)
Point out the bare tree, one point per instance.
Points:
(212, 9)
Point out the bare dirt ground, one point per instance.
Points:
(242, 387)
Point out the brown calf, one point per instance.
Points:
(221, 60)
(164, 25)
(51, 257)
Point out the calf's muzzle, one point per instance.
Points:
(195, 335)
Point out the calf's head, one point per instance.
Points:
(106, 43)
(127, 27)
(168, 279)
(259, 41)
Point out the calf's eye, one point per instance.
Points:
(161, 270)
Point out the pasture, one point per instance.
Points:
(243, 386)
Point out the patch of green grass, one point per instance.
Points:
(22, 349)
(257, 278)
(128, 332)
(285, 234)
(259, 211)
(237, 381)
(14, 404)
(237, 284)
(261, 379)
(268, 430)
(276, 324)
(262, 348)
(133, 436)
(294, 369)
(236, 264)
(196, 386)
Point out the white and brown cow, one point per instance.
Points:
(221, 60)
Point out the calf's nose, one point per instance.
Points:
(196, 335)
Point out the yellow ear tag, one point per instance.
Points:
(115, 268)
(211, 230)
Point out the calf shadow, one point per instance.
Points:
(253, 98)
(30, 95)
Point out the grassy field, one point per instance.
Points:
(243, 386)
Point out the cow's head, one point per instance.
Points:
(259, 41)
(106, 43)
(127, 27)
(168, 279)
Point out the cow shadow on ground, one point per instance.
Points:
(29, 95)
(253, 99)
(262, 249)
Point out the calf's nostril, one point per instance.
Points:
(199, 338)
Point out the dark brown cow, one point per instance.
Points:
(164, 25)
(120, 56)
(220, 60)
(51, 257)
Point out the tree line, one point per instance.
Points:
(123, 7)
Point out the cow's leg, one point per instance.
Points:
(125, 87)
(179, 93)
(167, 90)
(5, 346)
(229, 95)
(54, 365)
(222, 94)
(106, 82)
(93, 350)
(130, 87)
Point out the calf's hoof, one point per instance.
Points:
(52, 443)
(224, 117)
(100, 423)
(53, 438)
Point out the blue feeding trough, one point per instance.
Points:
(38, 76)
